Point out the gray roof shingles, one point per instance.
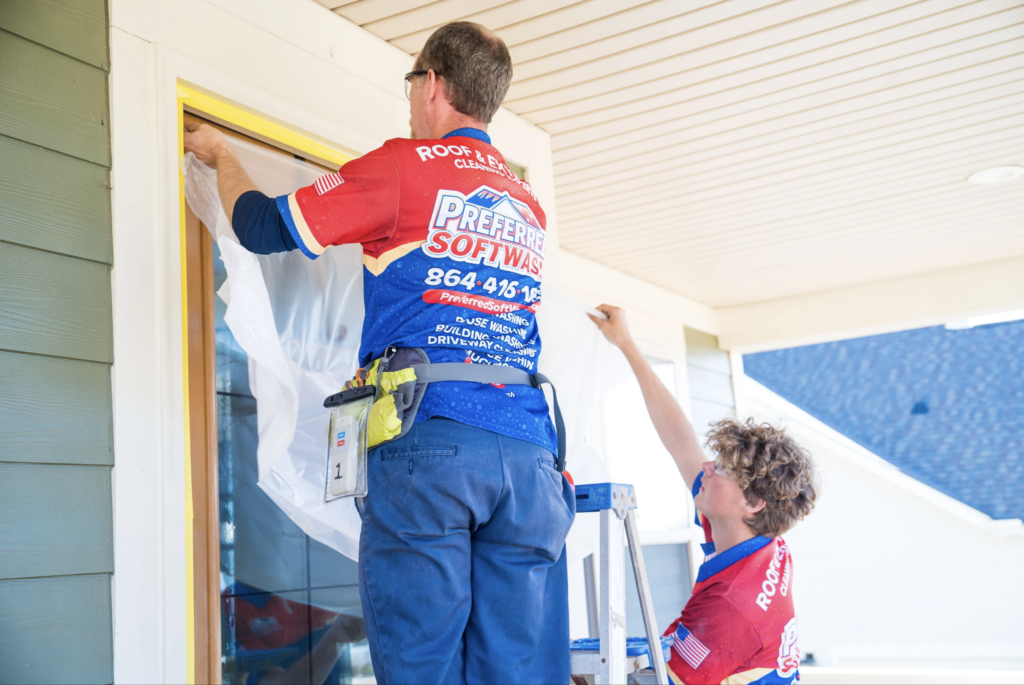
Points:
(945, 406)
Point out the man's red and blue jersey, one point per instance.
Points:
(453, 250)
(739, 625)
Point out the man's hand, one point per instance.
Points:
(205, 142)
(615, 329)
(210, 147)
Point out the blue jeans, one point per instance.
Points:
(462, 559)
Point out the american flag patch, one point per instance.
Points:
(689, 648)
(328, 181)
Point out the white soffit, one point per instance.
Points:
(746, 150)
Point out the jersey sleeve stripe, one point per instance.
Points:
(293, 219)
(756, 676)
(377, 265)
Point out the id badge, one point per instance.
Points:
(346, 445)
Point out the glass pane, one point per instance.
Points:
(327, 567)
(265, 635)
(342, 655)
(260, 546)
(290, 610)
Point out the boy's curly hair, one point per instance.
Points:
(766, 463)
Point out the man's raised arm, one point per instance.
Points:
(254, 216)
(674, 429)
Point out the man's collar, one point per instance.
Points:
(469, 133)
(725, 559)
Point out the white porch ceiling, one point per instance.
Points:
(744, 150)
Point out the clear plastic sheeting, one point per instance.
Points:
(584, 368)
(299, 322)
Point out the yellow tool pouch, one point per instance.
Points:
(396, 383)
(398, 392)
(384, 423)
(377, 405)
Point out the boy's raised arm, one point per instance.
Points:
(674, 429)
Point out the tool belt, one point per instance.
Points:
(401, 377)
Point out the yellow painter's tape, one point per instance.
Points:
(258, 125)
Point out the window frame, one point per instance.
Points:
(202, 514)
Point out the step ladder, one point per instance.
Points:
(615, 503)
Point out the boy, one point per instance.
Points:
(738, 625)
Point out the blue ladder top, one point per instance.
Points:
(599, 496)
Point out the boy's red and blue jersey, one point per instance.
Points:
(739, 625)
(453, 250)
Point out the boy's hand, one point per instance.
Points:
(205, 142)
(615, 329)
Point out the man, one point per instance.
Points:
(461, 559)
(738, 625)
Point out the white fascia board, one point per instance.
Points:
(331, 37)
(818, 675)
(334, 43)
(765, 404)
(936, 652)
(885, 306)
(224, 27)
(258, 68)
(656, 314)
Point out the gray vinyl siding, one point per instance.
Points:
(56, 344)
(73, 221)
(42, 623)
(53, 101)
(709, 374)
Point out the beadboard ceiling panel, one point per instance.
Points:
(744, 150)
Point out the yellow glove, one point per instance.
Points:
(392, 379)
(383, 423)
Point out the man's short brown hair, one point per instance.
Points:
(473, 64)
(767, 464)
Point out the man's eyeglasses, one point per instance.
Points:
(409, 76)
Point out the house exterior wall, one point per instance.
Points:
(891, 573)
(56, 344)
